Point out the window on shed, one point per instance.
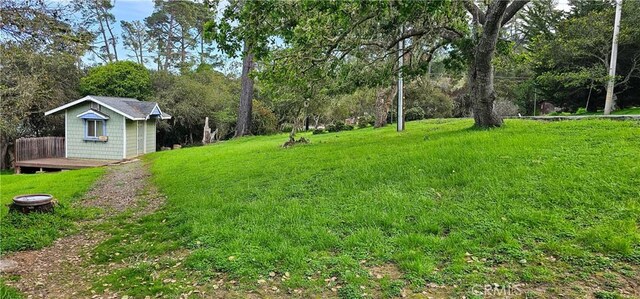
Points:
(94, 128)
(95, 106)
(91, 128)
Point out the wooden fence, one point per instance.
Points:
(39, 148)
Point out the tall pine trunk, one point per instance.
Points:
(114, 43)
(243, 125)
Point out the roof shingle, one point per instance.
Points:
(129, 106)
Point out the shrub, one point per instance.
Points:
(286, 128)
(426, 95)
(339, 126)
(581, 110)
(506, 108)
(415, 113)
(264, 121)
(366, 120)
(319, 131)
(335, 127)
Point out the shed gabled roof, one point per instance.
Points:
(127, 107)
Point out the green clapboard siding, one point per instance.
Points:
(77, 147)
(151, 136)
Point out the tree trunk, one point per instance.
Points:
(104, 36)
(113, 39)
(316, 119)
(168, 51)
(243, 125)
(483, 96)
(5, 161)
(481, 70)
(183, 49)
(140, 45)
(159, 55)
(383, 102)
(202, 48)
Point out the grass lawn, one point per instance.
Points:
(532, 202)
(626, 111)
(635, 110)
(33, 231)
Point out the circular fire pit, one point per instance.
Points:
(32, 203)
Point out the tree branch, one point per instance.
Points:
(633, 69)
(344, 34)
(511, 11)
(405, 35)
(474, 10)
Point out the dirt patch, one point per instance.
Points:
(124, 186)
(605, 282)
(56, 271)
(8, 266)
(63, 270)
(385, 270)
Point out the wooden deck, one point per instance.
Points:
(62, 163)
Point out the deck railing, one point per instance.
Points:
(39, 148)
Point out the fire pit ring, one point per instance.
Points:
(32, 203)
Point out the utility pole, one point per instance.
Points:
(400, 125)
(609, 102)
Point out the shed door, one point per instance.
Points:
(140, 137)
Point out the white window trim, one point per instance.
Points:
(87, 137)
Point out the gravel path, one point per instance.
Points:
(62, 269)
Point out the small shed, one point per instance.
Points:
(109, 128)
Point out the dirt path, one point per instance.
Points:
(62, 269)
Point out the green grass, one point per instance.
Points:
(33, 231)
(443, 202)
(626, 111)
(7, 292)
(634, 110)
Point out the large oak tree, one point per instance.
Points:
(365, 34)
(245, 29)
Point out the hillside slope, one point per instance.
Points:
(532, 202)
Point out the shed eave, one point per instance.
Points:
(90, 98)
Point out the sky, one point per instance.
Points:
(126, 10)
(130, 10)
(564, 5)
